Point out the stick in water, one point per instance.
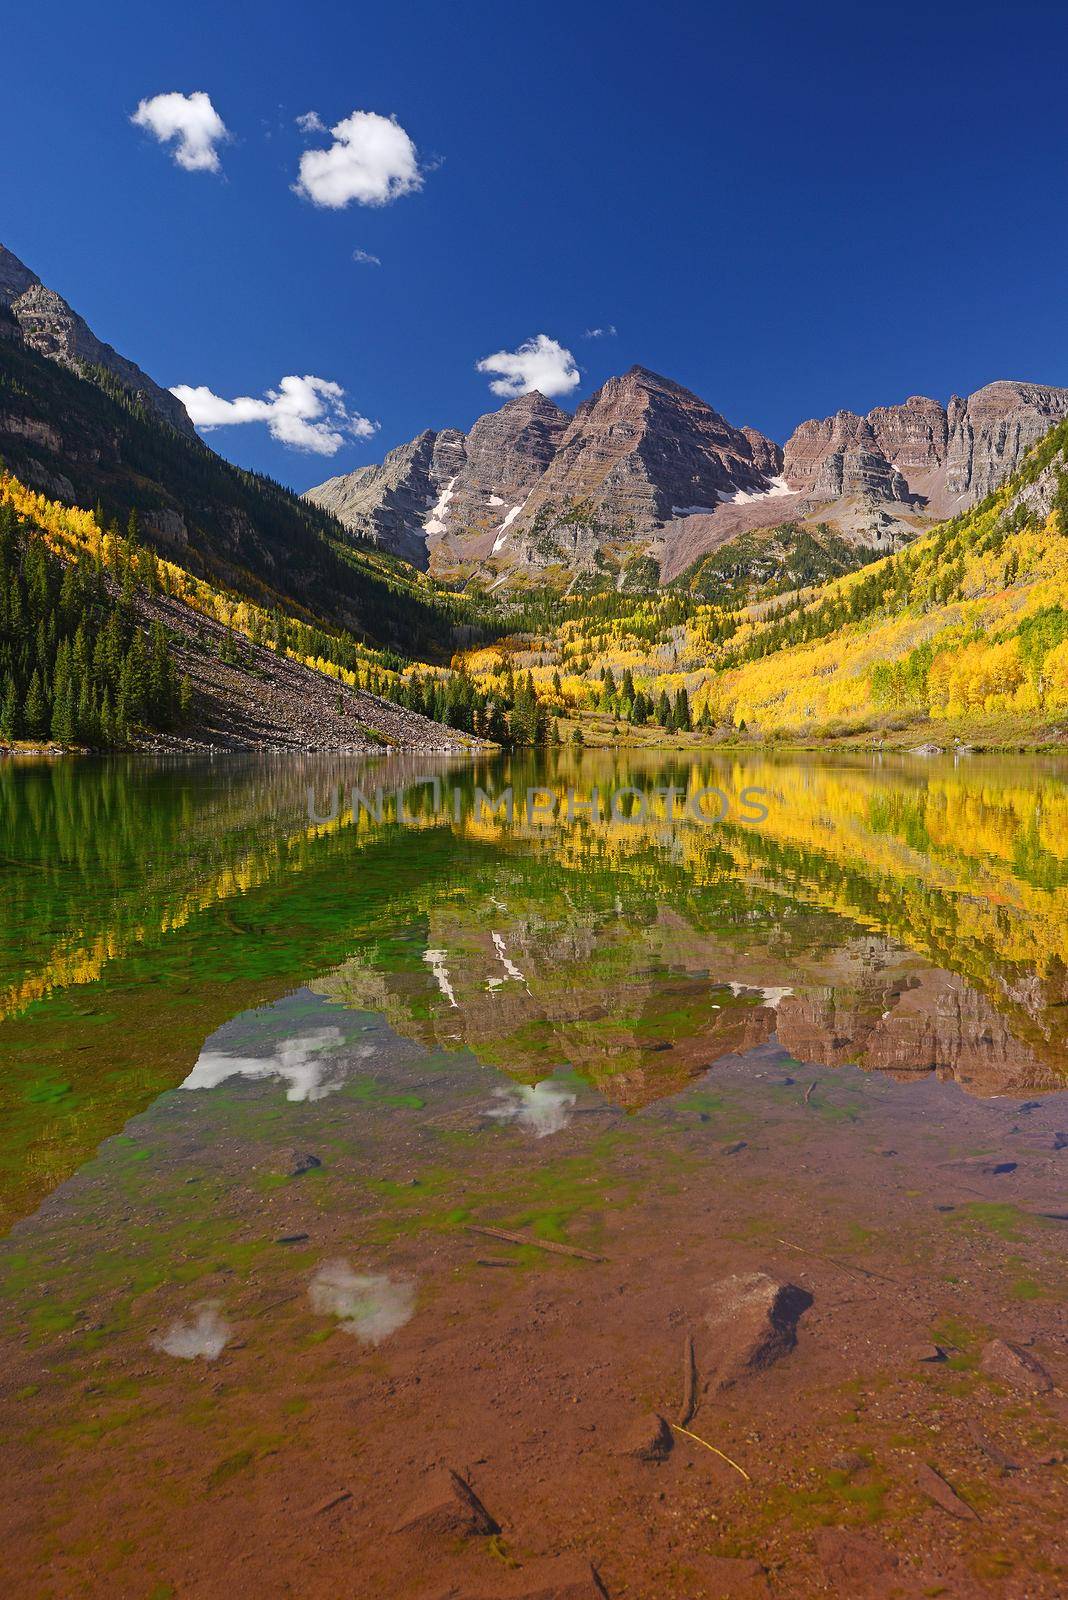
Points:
(689, 1382)
(697, 1440)
(539, 1244)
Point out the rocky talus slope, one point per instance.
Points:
(265, 701)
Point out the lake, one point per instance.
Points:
(427, 1178)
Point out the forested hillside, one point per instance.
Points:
(964, 632)
(105, 643)
(73, 663)
(87, 440)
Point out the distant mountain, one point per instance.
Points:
(532, 489)
(947, 458)
(446, 497)
(639, 453)
(53, 329)
(647, 477)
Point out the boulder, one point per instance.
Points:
(1008, 1363)
(648, 1438)
(752, 1319)
(935, 1487)
(556, 1578)
(449, 1509)
(730, 1577)
(854, 1563)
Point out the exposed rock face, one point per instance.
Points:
(448, 481)
(642, 446)
(945, 458)
(912, 436)
(647, 468)
(992, 431)
(508, 450)
(767, 455)
(388, 504)
(53, 329)
(841, 456)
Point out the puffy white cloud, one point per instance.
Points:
(607, 332)
(309, 1064)
(308, 413)
(205, 1333)
(310, 122)
(369, 1305)
(542, 1109)
(372, 161)
(189, 119)
(365, 259)
(540, 363)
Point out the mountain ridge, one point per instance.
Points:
(646, 470)
(54, 329)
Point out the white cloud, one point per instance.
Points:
(306, 1064)
(192, 120)
(205, 1334)
(607, 332)
(371, 161)
(308, 413)
(540, 363)
(365, 259)
(371, 1306)
(542, 1109)
(310, 122)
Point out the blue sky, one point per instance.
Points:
(789, 209)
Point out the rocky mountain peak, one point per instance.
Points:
(508, 450)
(54, 329)
(15, 276)
(640, 450)
(645, 467)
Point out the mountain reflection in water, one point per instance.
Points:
(340, 1150)
(904, 915)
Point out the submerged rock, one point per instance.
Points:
(982, 1166)
(753, 1319)
(300, 1161)
(935, 1487)
(648, 1438)
(449, 1509)
(855, 1563)
(556, 1578)
(1010, 1364)
(732, 1577)
(923, 1351)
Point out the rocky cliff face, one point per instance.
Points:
(392, 504)
(939, 459)
(52, 328)
(531, 486)
(646, 468)
(841, 456)
(638, 453)
(448, 492)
